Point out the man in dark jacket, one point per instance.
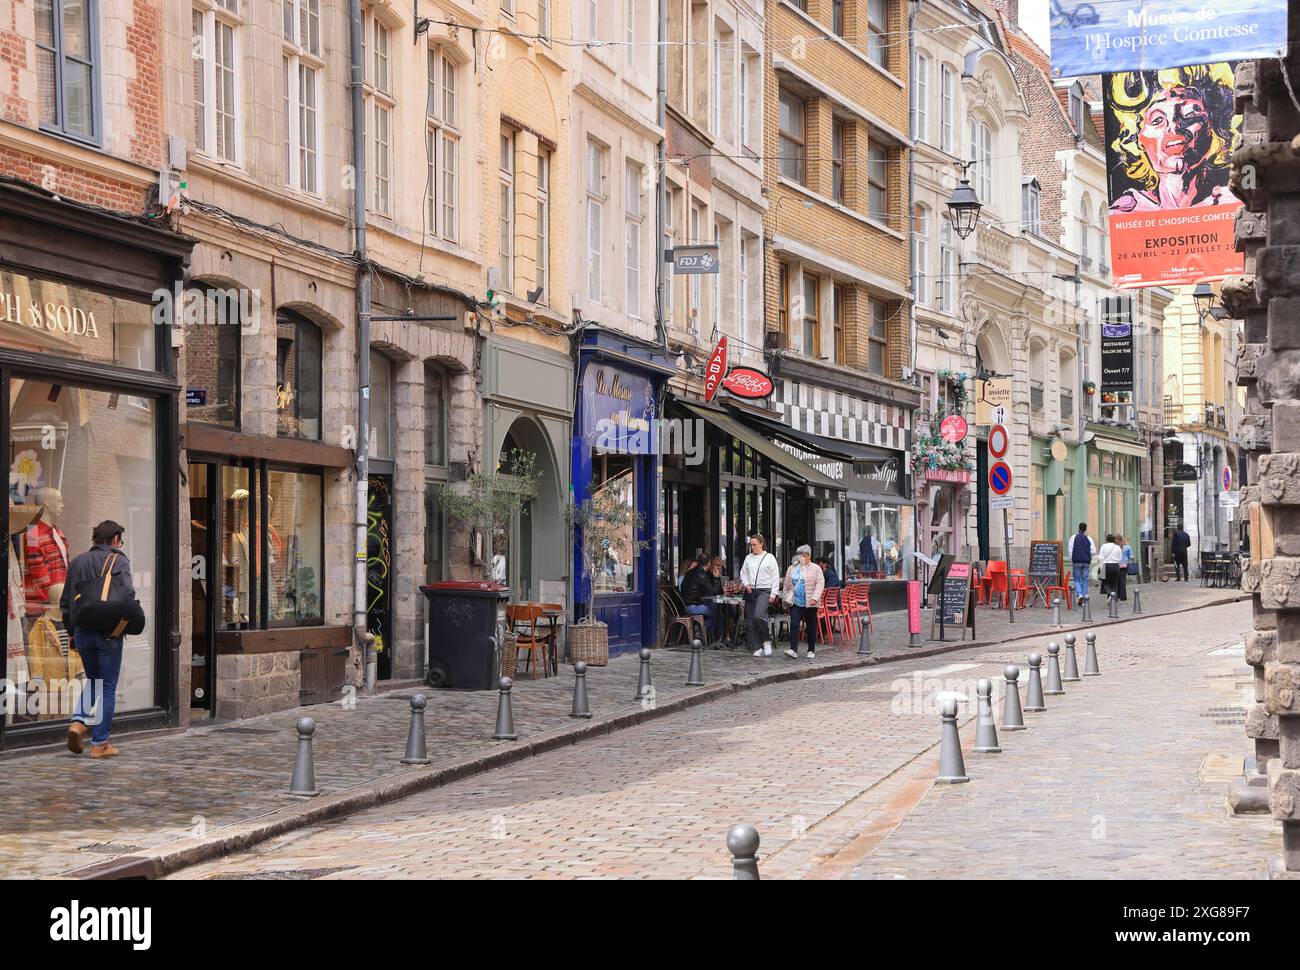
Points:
(867, 554)
(698, 589)
(103, 566)
(1179, 543)
(831, 577)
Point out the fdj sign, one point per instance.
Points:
(695, 260)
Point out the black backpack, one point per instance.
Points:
(103, 604)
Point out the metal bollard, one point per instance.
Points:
(1053, 669)
(1056, 611)
(580, 707)
(643, 687)
(694, 675)
(1071, 663)
(1137, 601)
(1012, 717)
(952, 769)
(1087, 609)
(742, 843)
(864, 641)
(1034, 693)
(1112, 607)
(986, 731)
(1090, 668)
(303, 781)
(415, 752)
(505, 730)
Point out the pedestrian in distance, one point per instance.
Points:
(869, 563)
(1127, 566)
(99, 607)
(698, 589)
(802, 594)
(1111, 556)
(1082, 549)
(760, 577)
(1179, 543)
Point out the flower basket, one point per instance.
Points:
(589, 642)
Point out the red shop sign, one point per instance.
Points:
(747, 382)
(715, 368)
(953, 429)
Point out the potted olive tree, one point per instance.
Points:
(608, 529)
(486, 504)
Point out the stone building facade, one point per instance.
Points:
(1266, 172)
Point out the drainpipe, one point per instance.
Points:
(661, 156)
(364, 639)
(911, 207)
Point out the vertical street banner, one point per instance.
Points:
(1110, 36)
(1117, 351)
(1169, 136)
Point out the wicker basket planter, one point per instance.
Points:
(509, 654)
(589, 642)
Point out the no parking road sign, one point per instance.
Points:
(998, 441)
(1000, 479)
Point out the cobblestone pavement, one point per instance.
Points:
(828, 767)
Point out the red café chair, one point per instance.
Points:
(1063, 589)
(1020, 587)
(862, 607)
(830, 615)
(996, 577)
(849, 610)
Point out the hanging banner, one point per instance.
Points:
(1169, 138)
(1117, 350)
(1105, 36)
(715, 368)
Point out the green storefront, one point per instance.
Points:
(1095, 482)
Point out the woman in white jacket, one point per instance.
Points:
(802, 593)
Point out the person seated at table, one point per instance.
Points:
(698, 588)
(832, 578)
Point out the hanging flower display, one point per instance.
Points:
(930, 451)
(1089, 388)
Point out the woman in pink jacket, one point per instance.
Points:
(802, 593)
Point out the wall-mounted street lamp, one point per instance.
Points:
(1207, 303)
(964, 205)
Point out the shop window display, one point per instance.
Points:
(614, 475)
(76, 457)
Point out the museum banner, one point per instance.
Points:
(1169, 136)
(1109, 36)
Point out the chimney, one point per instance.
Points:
(1010, 10)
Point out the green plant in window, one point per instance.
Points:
(303, 595)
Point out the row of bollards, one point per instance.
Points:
(303, 780)
(952, 768)
(742, 840)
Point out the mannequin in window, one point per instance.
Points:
(20, 517)
(243, 552)
(499, 563)
(45, 557)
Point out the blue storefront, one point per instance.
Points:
(620, 385)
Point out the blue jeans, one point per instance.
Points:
(1080, 579)
(710, 613)
(102, 658)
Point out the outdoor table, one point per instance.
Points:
(552, 616)
(730, 601)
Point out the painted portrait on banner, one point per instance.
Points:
(1169, 138)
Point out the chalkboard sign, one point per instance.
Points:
(1045, 560)
(953, 606)
(1044, 568)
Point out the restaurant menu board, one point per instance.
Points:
(953, 605)
(1045, 561)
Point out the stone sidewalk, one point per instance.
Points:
(184, 797)
(828, 767)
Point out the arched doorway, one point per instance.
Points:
(530, 558)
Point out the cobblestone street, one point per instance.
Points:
(1124, 776)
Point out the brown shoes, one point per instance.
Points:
(76, 734)
(104, 750)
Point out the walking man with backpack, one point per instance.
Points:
(1082, 549)
(99, 606)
